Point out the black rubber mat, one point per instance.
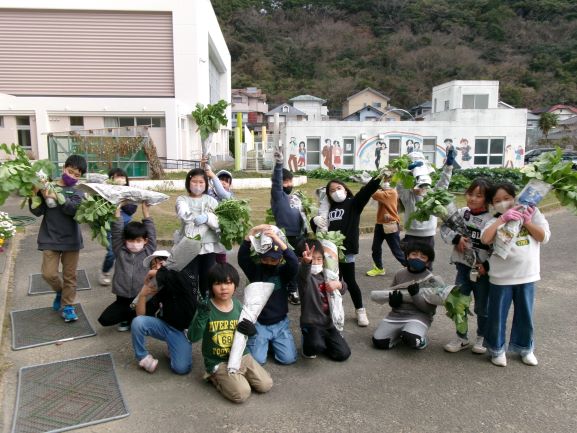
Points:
(40, 326)
(67, 395)
(37, 285)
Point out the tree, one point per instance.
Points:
(548, 121)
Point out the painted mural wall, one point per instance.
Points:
(343, 146)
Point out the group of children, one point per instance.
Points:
(181, 300)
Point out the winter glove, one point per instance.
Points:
(528, 214)
(321, 222)
(450, 156)
(512, 215)
(413, 289)
(278, 157)
(200, 219)
(395, 299)
(246, 327)
(415, 164)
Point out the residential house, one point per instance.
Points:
(311, 105)
(418, 111)
(100, 65)
(562, 111)
(364, 98)
(285, 113)
(251, 103)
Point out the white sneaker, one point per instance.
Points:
(362, 319)
(530, 359)
(478, 346)
(148, 363)
(105, 279)
(457, 345)
(500, 361)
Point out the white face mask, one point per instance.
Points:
(339, 195)
(119, 181)
(196, 190)
(503, 206)
(135, 247)
(316, 269)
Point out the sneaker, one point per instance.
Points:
(530, 359)
(362, 319)
(424, 343)
(376, 271)
(457, 345)
(309, 356)
(500, 360)
(105, 279)
(69, 314)
(56, 304)
(294, 299)
(478, 346)
(123, 326)
(148, 363)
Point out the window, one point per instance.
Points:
(394, 148)
(237, 99)
(475, 101)
(377, 104)
(489, 151)
(23, 130)
(348, 152)
(1, 121)
(285, 109)
(446, 106)
(76, 121)
(125, 121)
(313, 151)
(435, 105)
(115, 122)
(429, 148)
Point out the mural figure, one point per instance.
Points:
(509, 156)
(292, 159)
(337, 153)
(410, 146)
(465, 149)
(378, 149)
(302, 154)
(519, 156)
(449, 146)
(327, 153)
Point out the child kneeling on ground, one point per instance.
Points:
(411, 316)
(319, 332)
(215, 323)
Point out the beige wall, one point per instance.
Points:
(359, 101)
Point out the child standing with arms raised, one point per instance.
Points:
(470, 256)
(513, 278)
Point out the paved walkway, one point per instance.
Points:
(374, 391)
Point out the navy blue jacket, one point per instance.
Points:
(286, 217)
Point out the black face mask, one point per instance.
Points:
(287, 189)
(268, 269)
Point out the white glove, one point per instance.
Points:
(321, 222)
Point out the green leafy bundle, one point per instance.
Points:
(337, 238)
(457, 306)
(269, 217)
(98, 213)
(308, 205)
(434, 203)
(210, 118)
(399, 167)
(551, 168)
(19, 175)
(234, 221)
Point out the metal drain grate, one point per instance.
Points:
(37, 285)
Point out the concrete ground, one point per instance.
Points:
(397, 391)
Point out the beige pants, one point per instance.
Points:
(236, 387)
(67, 285)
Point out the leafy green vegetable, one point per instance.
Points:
(337, 238)
(98, 213)
(19, 175)
(399, 167)
(269, 217)
(551, 168)
(234, 221)
(457, 306)
(434, 203)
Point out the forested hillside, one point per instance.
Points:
(333, 48)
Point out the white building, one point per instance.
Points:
(69, 65)
(467, 115)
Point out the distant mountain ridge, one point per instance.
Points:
(334, 48)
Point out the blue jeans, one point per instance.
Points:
(480, 289)
(109, 257)
(279, 336)
(500, 298)
(179, 348)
